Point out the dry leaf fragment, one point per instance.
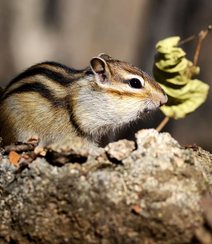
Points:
(33, 140)
(195, 147)
(17, 159)
(14, 158)
(136, 209)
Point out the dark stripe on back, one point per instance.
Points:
(61, 66)
(43, 91)
(53, 75)
(69, 70)
(34, 87)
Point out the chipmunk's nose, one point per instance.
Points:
(163, 99)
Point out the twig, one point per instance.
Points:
(162, 124)
(187, 40)
(19, 148)
(202, 36)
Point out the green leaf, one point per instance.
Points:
(174, 73)
(168, 45)
(171, 66)
(185, 99)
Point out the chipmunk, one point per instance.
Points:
(50, 101)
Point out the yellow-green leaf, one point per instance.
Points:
(171, 66)
(174, 73)
(168, 45)
(187, 99)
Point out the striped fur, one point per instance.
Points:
(50, 101)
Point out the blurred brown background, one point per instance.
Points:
(73, 31)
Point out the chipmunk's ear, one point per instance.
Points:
(100, 69)
(105, 56)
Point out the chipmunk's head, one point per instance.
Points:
(116, 94)
(132, 92)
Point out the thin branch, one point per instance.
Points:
(23, 147)
(202, 36)
(187, 40)
(162, 124)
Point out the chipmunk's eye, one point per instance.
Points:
(135, 83)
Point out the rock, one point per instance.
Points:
(69, 149)
(153, 195)
(120, 150)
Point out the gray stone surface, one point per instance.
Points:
(149, 194)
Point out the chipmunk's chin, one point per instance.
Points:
(146, 111)
(143, 113)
